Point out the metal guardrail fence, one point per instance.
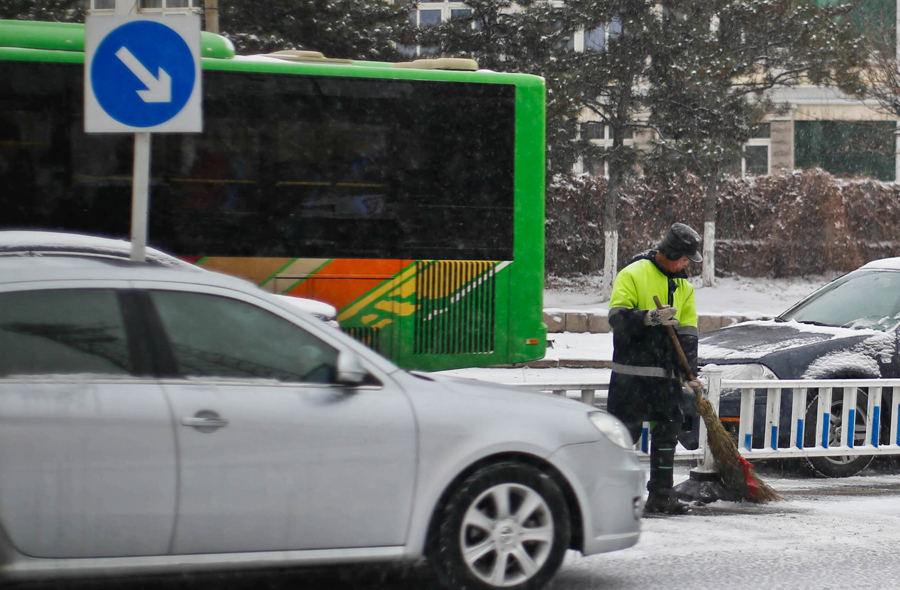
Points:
(818, 441)
(802, 442)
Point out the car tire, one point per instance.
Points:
(505, 526)
(846, 465)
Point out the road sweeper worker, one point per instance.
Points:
(647, 376)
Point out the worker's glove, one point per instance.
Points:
(664, 316)
(696, 386)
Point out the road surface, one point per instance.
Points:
(826, 533)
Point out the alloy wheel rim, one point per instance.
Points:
(507, 534)
(835, 430)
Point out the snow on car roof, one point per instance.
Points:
(40, 242)
(885, 263)
(74, 266)
(310, 305)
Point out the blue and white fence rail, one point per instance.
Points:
(802, 443)
(815, 439)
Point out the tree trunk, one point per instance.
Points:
(709, 231)
(610, 231)
(610, 263)
(709, 253)
(617, 169)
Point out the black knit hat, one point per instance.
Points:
(680, 241)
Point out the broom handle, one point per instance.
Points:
(676, 343)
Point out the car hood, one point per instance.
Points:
(521, 413)
(793, 349)
(501, 393)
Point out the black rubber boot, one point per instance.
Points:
(662, 503)
(662, 464)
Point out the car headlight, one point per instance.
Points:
(747, 372)
(612, 428)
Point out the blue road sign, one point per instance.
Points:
(143, 74)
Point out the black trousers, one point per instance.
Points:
(635, 400)
(663, 438)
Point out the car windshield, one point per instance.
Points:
(861, 299)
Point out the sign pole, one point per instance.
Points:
(139, 196)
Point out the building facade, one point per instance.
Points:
(819, 128)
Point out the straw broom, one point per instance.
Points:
(735, 472)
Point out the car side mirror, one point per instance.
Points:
(349, 368)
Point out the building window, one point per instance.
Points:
(601, 136)
(755, 157)
(593, 130)
(761, 131)
(430, 13)
(595, 39)
(428, 18)
(756, 160)
(846, 148)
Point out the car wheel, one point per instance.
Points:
(846, 465)
(505, 526)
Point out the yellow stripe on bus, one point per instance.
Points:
(381, 290)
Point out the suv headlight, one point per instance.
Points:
(612, 428)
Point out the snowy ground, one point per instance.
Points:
(825, 534)
(733, 295)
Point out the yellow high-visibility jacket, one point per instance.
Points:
(647, 351)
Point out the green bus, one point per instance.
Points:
(409, 196)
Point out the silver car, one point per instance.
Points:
(157, 420)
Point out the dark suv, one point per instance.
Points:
(848, 329)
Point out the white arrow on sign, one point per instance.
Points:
(159, 89)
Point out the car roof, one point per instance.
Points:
(64, 245)
(39, 243)
(884, 263)
(63, 267)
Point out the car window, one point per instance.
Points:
(214, 336)
(862, 299)
(62, 332)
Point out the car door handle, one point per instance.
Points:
(205, 421)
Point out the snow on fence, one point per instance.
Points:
(801, 441)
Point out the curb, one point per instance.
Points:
(558, 320)
(559, 364)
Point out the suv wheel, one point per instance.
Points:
(842, 466)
